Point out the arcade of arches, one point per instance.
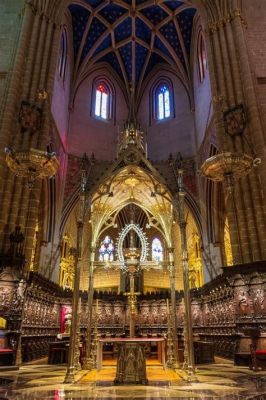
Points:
(132, 165)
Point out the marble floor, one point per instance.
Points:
(216, 381)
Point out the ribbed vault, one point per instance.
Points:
(132, 37)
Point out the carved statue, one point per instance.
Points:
(258, 300)
(18, 297)
(5, 298)
(196, 315)
(29, 117)
(242, 302)
(16, 242)
(67, 321)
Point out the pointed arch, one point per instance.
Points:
(106, 249)
(103, 99)
(157, 249)
(162, 99)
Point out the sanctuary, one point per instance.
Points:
(132, 218)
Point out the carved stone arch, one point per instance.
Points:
(142, 237)
(99, 66)
(255, 279)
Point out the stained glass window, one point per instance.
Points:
(101, 101)
(202, 57)
(106, 250)
(163, 102)
(157, 250)
(63, 55)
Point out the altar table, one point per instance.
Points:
(131, 362)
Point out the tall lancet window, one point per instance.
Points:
(106, 250)
(102, 100)
(157, 250)
(163, 102)
(202, 57)
(63, 55)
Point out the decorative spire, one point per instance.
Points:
(132, 134)
(132, 244)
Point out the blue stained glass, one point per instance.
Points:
(166, 104)
(157, 250)
(160, 105)
(163, 103)
(106, 250)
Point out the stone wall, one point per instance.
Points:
(10, 25)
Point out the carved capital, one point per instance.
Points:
(227, 19)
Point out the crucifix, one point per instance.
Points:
(132, 297)
(132, 256)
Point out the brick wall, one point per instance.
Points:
(107, 279)
(10, 25)
(255, 15)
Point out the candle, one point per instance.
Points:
(97, 305)
(167, 306)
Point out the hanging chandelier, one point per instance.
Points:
(32, 164)
(228, 167)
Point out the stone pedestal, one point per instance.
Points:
(131, 364)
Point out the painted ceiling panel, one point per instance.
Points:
(112, 12)
(154, 60)
(141, 54)
(123, 31)
(107, 42)
(160, 46)
(185, 21)
(80, 18)
(155, 14)
(126, 54)
(173, 5)
(111, 59)
(147, 22)
(170, 34)
(142, 31)
(97, 28)
(93, 3)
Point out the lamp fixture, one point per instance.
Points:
(31, 164)
(222, 165)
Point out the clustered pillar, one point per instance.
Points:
(232, 85)
(34, 69)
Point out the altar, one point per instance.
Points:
(131, 361)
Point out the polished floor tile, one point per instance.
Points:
(215, 381)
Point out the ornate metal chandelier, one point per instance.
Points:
(32, 164)
(227, 166)
(28, 162)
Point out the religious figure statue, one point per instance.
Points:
(242, 302)
(258, 300)
(16, 242)
(67, 321)
(29, 117)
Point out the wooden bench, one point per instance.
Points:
(6, 357)
(258, 358)
(57, 353)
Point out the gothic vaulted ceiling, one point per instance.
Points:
(132, 36)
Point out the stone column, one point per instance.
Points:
(34, 69)
(88, 360)
(172, 314)
(232, 85)
(71, 366)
